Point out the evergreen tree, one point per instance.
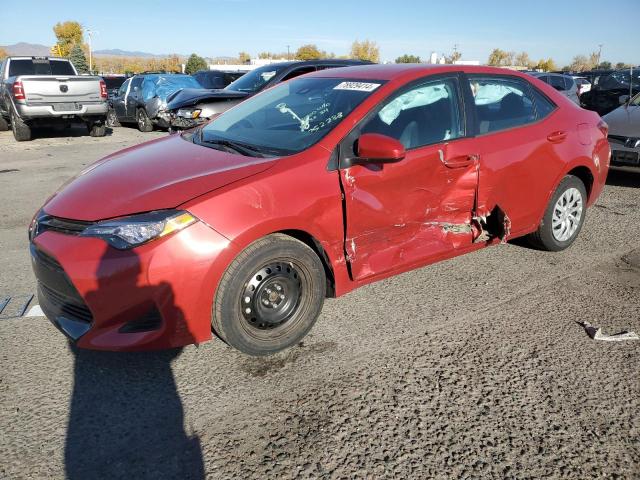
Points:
(78, 59)
(194, 64)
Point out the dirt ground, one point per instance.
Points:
(471, 368)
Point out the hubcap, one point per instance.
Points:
(567, 214)
(271, 296)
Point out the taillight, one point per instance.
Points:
(103, 89)
(603, 127)
(18, 91)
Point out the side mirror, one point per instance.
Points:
(623, 99)
(376, 148)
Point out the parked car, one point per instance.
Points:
(594, 76)
(193, 107)
(624, 133)
(309, 190)
(43, 91)
(113, 83)
(142, 99)
(562, 83)
(605, 96)
(583, 85)
(216, 78)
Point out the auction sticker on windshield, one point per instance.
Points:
(357, 86)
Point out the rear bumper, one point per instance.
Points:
(27, 112)
(623, 155)
(155, 296)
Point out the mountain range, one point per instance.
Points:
(37, 50)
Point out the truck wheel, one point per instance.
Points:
(270, 296)
(21, 131)
(563, 218)
(143, 120)
(4, 126)
(112, 118)
(98, 129)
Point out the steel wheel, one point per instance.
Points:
(271, 296)
(567, 214)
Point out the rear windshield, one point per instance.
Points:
(113, 83)
(29, 66)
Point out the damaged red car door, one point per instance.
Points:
(414, 210)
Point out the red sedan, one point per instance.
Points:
(309, 190)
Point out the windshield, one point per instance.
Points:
(162, 86)
(40, 66)
(254, 80)
(290, 117)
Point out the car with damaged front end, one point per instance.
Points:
(142, 100)
(624, 133)
(309, 190)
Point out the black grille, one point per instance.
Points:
(64, 305)
(61, 225)
(626, 158)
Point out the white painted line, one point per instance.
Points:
(35, 311)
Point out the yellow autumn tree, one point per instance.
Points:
(68, 33)
(365, 50)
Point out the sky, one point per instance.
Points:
(543, 28)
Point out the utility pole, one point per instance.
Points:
(90, 34)
(599, 53)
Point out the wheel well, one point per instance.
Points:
(315, 245)
(585, 175)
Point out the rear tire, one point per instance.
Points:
(21, 131)
(112, 119)
(97, 129)
(270, 296)
(563, 218)
(143, 121)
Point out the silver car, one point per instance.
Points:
(565, 84)
(624, 133)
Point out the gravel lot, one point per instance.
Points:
(471, 368)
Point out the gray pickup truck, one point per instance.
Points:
(41, 91)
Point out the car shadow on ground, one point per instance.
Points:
(126, 418)
(75, 130)
(623, 178)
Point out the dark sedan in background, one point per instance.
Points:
(190, 107)
(612, 91)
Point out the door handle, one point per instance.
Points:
(557, 137)
(460, 160)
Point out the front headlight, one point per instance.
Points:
(128, 232)
(192, 113)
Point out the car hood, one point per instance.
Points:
(188, 97)
(624, 120)
(160, 174)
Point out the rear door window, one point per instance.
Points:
(501, 103)
(557, 82)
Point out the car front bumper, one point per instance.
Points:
(155, 296)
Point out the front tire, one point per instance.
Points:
(563, 218)
(270, 296)
(143, 121)
(21, 131)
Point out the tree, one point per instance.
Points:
(605, 65)
(408, 59)
(523, 60)
(498, 58)
(244, 57)
(3, 53)
(365, 50)
(68, 34)
(194, 64)
(453, 58)
(580, 63)
(621, 65)
(79, 60)
(308, 52)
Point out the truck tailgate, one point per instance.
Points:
(55, 89)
